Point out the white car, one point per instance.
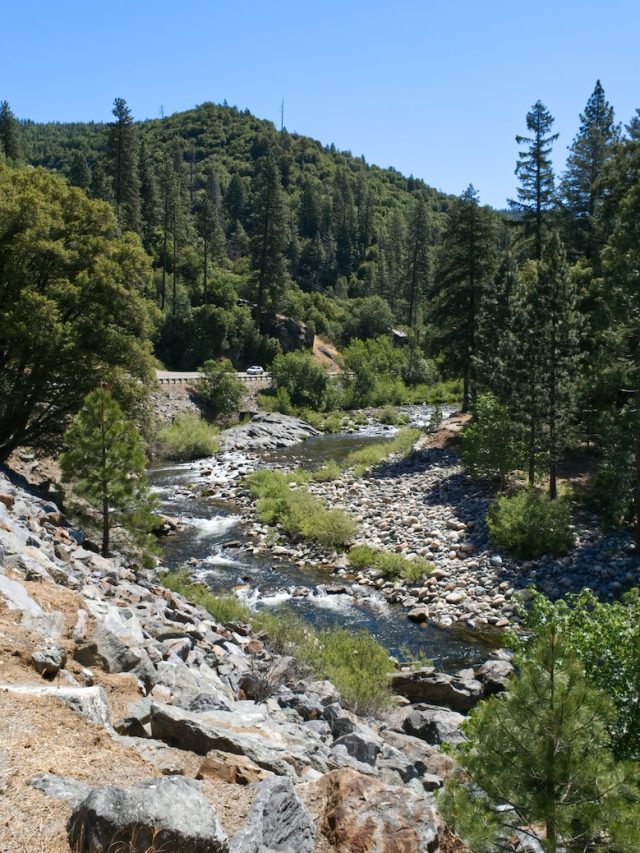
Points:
(255, 370)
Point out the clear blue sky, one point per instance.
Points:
(435, 89)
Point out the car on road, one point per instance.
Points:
(255, 370)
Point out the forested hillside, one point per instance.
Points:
(230, 208)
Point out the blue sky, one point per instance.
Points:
(435, 89)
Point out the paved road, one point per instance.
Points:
(177, 377)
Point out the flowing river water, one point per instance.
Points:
(221, 553)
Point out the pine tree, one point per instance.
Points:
(494, 335)
(543, 357)
(534, 169)
(559, 330)
(466, 265)
(270, 237)
(418, 261)
(106, 461)
(236, 200)
(541, 753)
(123, 162)
(582, 188)
(633, 128)
(80, 173)
(149, 193)
(9, 133)
(395, 242)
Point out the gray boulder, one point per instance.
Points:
(277, 823)
(363, 748)
(460, 692)
(435, 725)
(113, 654)
(168, 813)
(494, 675)
(201, 732)
(49, 660)
(90, 702)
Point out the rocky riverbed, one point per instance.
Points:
(128, 714)
(426, 506)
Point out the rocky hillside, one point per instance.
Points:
(119, 699)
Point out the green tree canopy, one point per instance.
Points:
(72, 305)
(540, 753)
(106, 461)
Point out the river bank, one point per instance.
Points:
(422, 506)
(117, 692)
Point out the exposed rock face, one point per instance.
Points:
(169, 813)
(49, 660)
(234, 769)
(494, 675)
(277, 823)
(367, 816)
(267, 431)
(90, 702)
(434, 725)
(290, 333)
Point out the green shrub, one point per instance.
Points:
(303, 378)
(530, 524)
(355, 663)
(390, 565)
(219, 388)
(298, 512)
(365, 458)
(188, 437)
(328, 472)
(490, 444)
(223, 608)
(390, 415)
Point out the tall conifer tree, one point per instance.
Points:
(9, 133)
(466, 265)
(534, 169)
(270, 237)
(582, 187)
(418, 260)
(123, 161)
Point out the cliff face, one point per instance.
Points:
(109, 680)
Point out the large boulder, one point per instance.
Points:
(366, 815)
(291, 334)
(460, 692)
(278, 821)
(110, 652)
(435, 725)
(266, 431)
(90, 702)
(494, 675)
(202, 732)
(168, 813)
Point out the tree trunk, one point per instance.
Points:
(105, 526)
(466, 393)
(637, 495)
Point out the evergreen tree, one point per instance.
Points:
(394, 261)
(534, 169)
(543, 357)
(540, 752)
(344, 223)
(466, 265)
(100, 186)
(9, 133)
(80, 173)
(418, 260)
(149, 192)
(582, 187)
(106, 461)
(310, 210)
(270, 237)
(558, 326)
(633, 128)
(494, 335)
(123, 163)
(236, 200)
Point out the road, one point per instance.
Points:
(177, 377)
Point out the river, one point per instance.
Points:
(218, 550)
